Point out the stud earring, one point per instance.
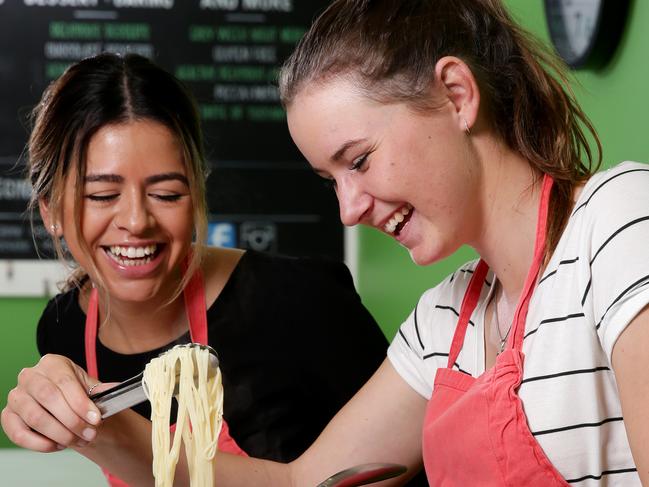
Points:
(54, 230)
(466, 127)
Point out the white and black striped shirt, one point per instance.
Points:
(595, 283)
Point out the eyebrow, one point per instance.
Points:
(167, 176)
(156, 178)
(343, 148)
(103, 178)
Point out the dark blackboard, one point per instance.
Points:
(261, 193)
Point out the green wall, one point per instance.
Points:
(617, 101)
(18, 318)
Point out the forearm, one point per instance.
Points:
(382, 423)
(123, 447)
(238, 471)
(630, 362)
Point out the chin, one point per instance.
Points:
(422, 260)
(135, 294)
(427, 256)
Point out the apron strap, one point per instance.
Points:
(472, 294)
(91, 334)
(515, 340)
(195, 307)
(470, 301)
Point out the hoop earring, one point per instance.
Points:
(466, 127)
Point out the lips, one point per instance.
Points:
(132, 255)
(145, 261)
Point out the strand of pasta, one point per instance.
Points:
(199, 418)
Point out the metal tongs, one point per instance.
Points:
(131, 392)
(366, 473)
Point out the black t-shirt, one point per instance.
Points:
(294, 342)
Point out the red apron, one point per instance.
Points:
(475, 430)
(194, 295)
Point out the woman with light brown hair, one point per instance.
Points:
(442, 123)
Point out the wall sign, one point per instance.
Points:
(261, 193)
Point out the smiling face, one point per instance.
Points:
(411, 175)
(136, 217)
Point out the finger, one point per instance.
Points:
(41, 403)
(19, 433)
(73, 383)
(39, 420)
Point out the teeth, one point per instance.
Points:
(132, 252)
(397, 218)
(132, 263)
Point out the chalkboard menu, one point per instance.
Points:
(261, 193)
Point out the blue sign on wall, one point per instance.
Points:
(221, 234)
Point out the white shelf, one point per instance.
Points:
(30, 278)
(24, 468)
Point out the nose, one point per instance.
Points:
(355, 204)
(132, 213)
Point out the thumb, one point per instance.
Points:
(93, 391)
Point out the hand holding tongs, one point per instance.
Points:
(131, 392)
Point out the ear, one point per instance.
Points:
(461, 88)
(49, 220)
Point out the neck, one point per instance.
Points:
(508, 222)
(128, 327)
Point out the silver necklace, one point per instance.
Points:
(503, 339)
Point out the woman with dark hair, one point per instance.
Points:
(117, 170)
(441, 123)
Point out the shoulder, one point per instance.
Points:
(218, 260)
(217, 267)
(276, 279)
(221, 261)
(295, 271)
(620, 188)
(613, 203)
(299, 287)
(61, 306)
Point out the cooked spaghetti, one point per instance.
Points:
(199, 418)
